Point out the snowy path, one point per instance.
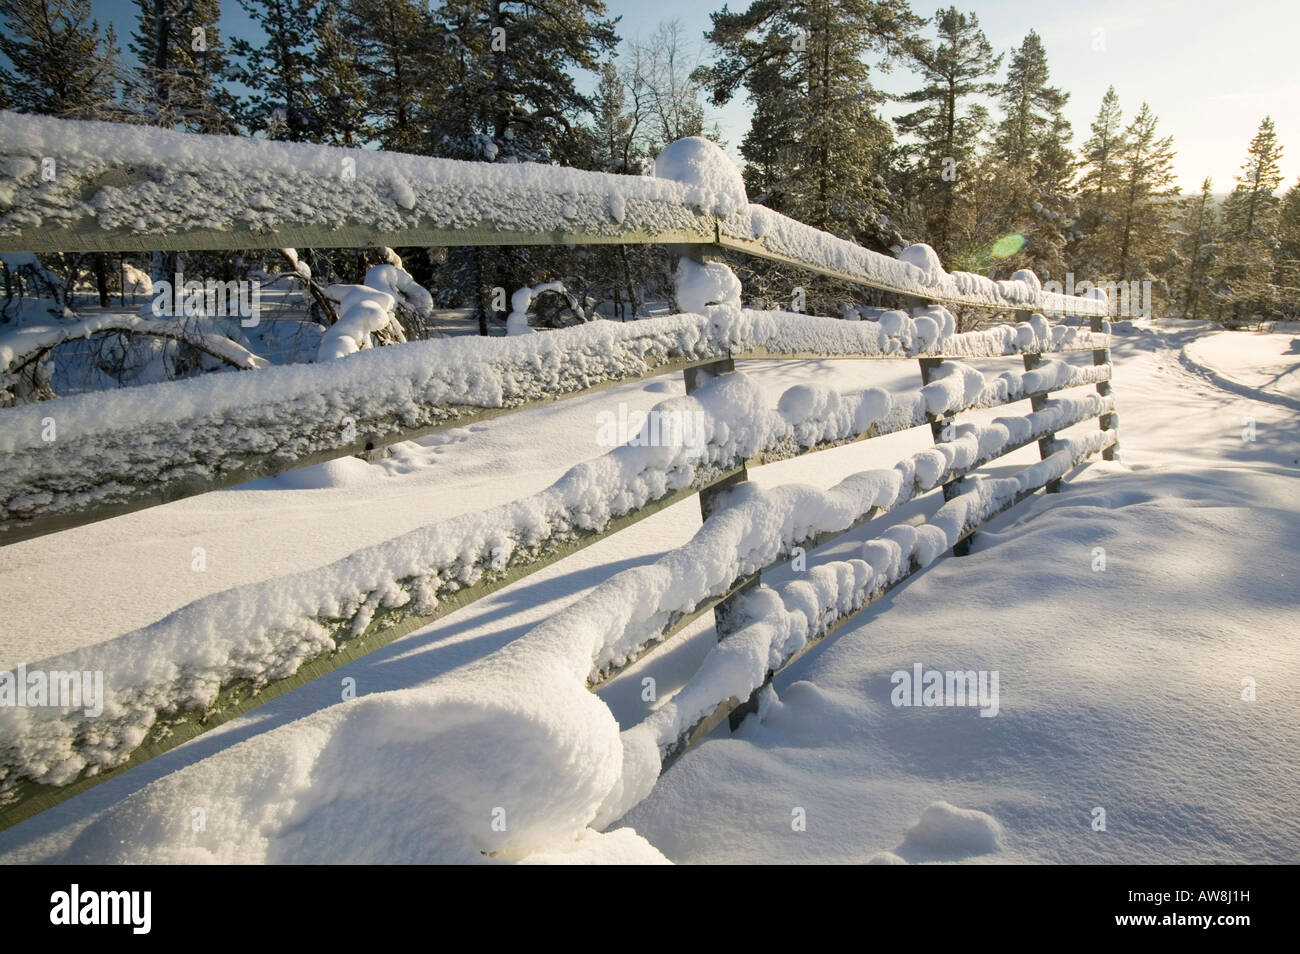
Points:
(1188, 588)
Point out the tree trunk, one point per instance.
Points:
(101, 278)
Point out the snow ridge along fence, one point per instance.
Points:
(219, 657)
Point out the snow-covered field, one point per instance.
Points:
(1120, 688)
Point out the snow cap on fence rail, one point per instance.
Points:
(137, 181)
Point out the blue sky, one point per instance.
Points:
(1210, 70)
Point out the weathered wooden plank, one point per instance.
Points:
(937, 429)
(238, 467)
(75, 186)
(88, 236)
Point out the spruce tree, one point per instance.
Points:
(1035, 164)
(1143, 209)
(181, 66)
(1245, 276)
(278, 70)
(1199, 231)
(59, 61)
(941, 171)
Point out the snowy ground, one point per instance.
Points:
(1253, 364)
(1119, 689)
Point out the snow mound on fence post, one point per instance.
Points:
(701, 286)
(715, 184)
(925, 260)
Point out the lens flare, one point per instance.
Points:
(1008, 245)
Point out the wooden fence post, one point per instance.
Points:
(1101, 356)
(1044, 444)
(937, 427)
(695, 379)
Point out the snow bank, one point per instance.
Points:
(508, 760)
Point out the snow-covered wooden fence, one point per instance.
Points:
(117, 188)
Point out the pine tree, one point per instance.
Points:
(1288, 252)
(942, 166)
(513, 97)
(1246, 283)
(519, 78)
(181, 67)
(770, 146)
(59, 61)
(399, 47)
(1094, 238)
(277, 72)
(1101, 150)
(337, 92)
(61, 65)
(1035, 163)
(1200, 227)
(1250, 209)
(1143, 207)
(817, 139)
(1028, 103)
